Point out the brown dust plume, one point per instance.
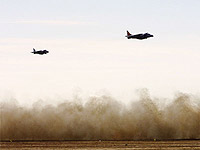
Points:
(103, 118)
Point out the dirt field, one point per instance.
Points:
(111, 145)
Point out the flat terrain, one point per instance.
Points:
(111, 145)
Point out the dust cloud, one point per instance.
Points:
(103, 118)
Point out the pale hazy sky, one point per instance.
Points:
(89, 51)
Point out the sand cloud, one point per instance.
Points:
(103, 118)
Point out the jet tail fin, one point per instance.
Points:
(33, 49)
(128, 34)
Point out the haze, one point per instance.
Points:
(89, 51)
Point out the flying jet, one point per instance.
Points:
(138, 36)
(40, 52)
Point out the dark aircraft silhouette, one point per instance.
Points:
(40, 52)
(138, 36)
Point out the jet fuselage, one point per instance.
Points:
(40, 52)
(138, 36)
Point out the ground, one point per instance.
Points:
(92, 145)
